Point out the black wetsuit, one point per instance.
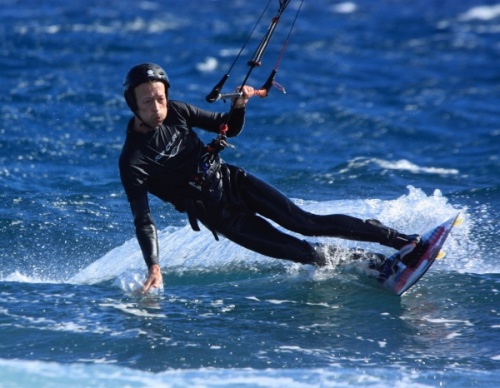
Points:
(232, 202)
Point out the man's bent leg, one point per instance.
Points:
(258, 235)
(267, 201)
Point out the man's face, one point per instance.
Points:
(151, 102)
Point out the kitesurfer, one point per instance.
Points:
(164, 156)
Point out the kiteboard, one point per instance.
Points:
(399, 278)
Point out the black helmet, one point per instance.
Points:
(140, 74)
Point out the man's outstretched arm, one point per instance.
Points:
(147, 238)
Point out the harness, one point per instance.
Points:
(206, 182)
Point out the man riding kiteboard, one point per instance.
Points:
(164, 156)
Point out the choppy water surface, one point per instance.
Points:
(391, 112)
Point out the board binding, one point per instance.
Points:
(399, 278)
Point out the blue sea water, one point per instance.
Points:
(391, 112)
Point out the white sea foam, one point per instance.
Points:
(131, 308)
(347, 7)
(400, 165)
(208, 65)
(483, 12)
(100, 373)
(406, 165)
(182, 249)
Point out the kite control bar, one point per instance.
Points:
(263, 92)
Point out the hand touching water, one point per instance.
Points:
(155, 278)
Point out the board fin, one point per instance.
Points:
(458, 221)
(441, 255)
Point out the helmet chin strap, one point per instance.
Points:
(142, 122)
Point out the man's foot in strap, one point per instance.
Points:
(410, 254)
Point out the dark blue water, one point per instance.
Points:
(390, 112)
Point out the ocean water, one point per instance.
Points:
(391, 111)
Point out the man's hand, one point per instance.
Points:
(155, 279)
(246, 93)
